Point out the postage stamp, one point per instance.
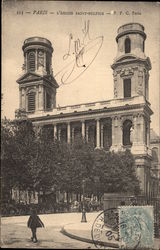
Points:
(136, 227)
(125, 227)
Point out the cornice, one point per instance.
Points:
(88, 112)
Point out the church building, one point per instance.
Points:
(117, 124)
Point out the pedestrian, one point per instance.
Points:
(33, 222)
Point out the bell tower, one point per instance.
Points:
(37, 86)
(131, 83)
(131, 66)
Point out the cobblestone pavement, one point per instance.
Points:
(15, 234)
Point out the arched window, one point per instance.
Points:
(31, 101)
(127, 45)
(31, 61)
(155, 154)
(127, 125)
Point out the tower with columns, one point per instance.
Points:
(131, 78)
(117, 124)
(37, 86)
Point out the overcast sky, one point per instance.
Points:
(96, 83)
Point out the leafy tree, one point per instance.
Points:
(34, 160)
(17, 141)
(117, 172)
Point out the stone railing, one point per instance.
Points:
(93, 106)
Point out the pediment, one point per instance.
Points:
(29, 77)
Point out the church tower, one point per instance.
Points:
(131, 66)
(37, 86)
(131, 79)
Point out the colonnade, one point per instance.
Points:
(105, 131)
(84, 129)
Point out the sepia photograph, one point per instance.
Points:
(80, 125)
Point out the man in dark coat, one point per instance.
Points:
(33, 222)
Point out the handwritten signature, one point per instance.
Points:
(80, 55)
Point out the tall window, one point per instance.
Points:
(31, 61)
(31, 101)
(127, 45)
(146, 132)
(155, 154)
(143, 46)
(127, 87)
(127, 125)
(48, 101)
(48, 63)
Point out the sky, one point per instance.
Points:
(56, 20)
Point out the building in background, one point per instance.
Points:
(117, 124)
(155, 165)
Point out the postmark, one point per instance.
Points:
(104, 230)
(125, 227)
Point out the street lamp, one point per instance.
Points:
(83, 206)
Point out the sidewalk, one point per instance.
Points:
(82, 231)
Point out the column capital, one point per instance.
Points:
(82, 120)
(97, 119)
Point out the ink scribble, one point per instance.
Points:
(79, 56)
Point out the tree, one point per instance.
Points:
(17, 142)
(117, 172)
(33, 160)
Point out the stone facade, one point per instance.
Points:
(155, 165)
(117, 124)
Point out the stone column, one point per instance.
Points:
(142, 178)
(55, 131)
(142, 129)
(59, 133)
(36, 60)
(87, 128)
(83, 129)
(45, 61)
(98, 133)
(102, 143)
(68, 132)
(120, 132)
(41, 97)
(37, 97)
(20, 98)
(72, 134)
(113, 132)
(148, 134)
(117, 134)
(134, 130)
(45, 99)
(26, 62)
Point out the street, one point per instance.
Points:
(15, 234)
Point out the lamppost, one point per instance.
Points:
(83, 206)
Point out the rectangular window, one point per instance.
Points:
(127, 87)
(48, 101)
(31, 101)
